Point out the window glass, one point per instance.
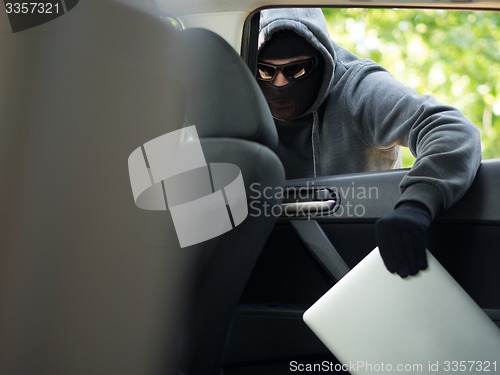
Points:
(452, 55)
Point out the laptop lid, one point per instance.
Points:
(376, 322)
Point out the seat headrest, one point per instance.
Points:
(223, 97)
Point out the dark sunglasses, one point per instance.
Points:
(292, 71)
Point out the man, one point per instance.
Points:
(336, 113)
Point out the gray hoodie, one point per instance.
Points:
(361, 117)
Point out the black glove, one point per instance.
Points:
(401, 238)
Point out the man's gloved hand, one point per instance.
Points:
(400, 237)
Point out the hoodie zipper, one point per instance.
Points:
(315, 143)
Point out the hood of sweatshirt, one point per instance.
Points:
(310, 24)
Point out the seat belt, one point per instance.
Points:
(316, 241)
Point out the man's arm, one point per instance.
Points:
(447, 147)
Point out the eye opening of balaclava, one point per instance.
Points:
(292, 100)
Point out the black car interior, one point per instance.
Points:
(307, 253)
(91, 284)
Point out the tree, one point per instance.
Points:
(452, 55)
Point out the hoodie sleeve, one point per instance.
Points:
(384, 113)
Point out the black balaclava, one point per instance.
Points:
(292, 100)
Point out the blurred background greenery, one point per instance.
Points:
(452, 55)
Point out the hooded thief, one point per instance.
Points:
(344, 114)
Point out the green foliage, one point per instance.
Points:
(452, 55)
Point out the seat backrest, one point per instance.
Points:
(235, 126)
(224, 99)
(87, 279)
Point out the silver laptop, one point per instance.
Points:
(376, 322)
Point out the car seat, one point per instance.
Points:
(88, 279)
(235, 126)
